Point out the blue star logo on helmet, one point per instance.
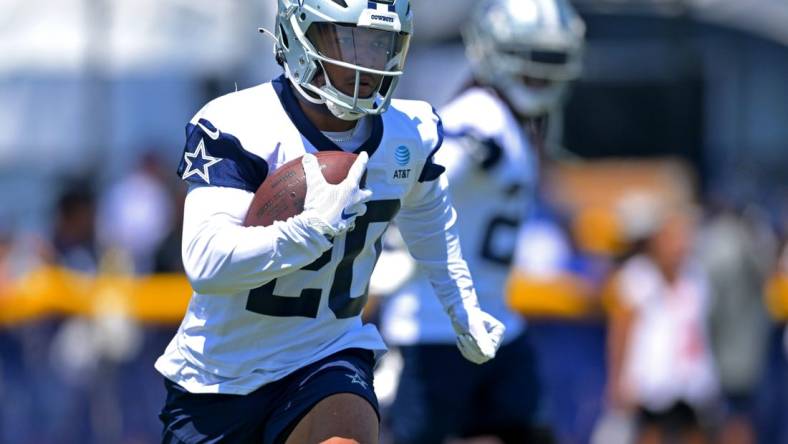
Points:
(381, 5)
(402, 155)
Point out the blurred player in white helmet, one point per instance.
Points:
(272, 348)
(528, 51)
(523, 54)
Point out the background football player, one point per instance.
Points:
(523, 53)
(272, 347)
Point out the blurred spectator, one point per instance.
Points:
(74, 239)
(661, 366)
(136, 213)
(168, 254)
(739, 254)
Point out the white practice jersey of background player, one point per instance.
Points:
(492, 173)
(233, 339)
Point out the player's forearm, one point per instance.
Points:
(226, 258)
(222, 256)
(441, 260)
(428, 230)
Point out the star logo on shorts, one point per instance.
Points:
(356, 379)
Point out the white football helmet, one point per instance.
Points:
(346, 54)
(528, 49)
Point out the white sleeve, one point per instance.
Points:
(222, 256)
(455, 158)
(426, 221)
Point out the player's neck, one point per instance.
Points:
(322, 118)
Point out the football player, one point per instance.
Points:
(523, 53)
(272, 348)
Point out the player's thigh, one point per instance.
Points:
(338, 419)
(332, 396)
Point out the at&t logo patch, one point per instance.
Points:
(402, 158)
(402, 155)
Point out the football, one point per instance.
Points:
(282, 194)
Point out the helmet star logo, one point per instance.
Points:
(198, 163)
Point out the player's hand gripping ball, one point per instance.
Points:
(282, 194)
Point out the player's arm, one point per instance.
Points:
(222, 256)
(427, 223)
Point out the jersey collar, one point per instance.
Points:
(307, 129)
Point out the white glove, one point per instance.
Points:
(333, 209)
(478, 333)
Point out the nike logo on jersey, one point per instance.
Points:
(346, 216)
(212, 134)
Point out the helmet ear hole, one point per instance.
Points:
(285, 40)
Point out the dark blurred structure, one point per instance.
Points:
(699, 80)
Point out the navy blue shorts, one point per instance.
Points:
(441, 394)
(270, 413)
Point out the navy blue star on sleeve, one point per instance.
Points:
(217, 158)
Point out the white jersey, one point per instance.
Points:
(492, 173)
(270, 300)
(668, 357)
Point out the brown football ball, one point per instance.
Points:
(282, 194)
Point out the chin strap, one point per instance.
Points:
(342, 113)
(338, 111)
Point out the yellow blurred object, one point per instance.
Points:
(51, 290)
(590, 191)
(163, 298)
(597, 231)
(777, 297)
(562, 296)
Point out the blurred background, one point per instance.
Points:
(677, 129)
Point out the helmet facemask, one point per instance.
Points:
(534, 79)
(351, 68)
